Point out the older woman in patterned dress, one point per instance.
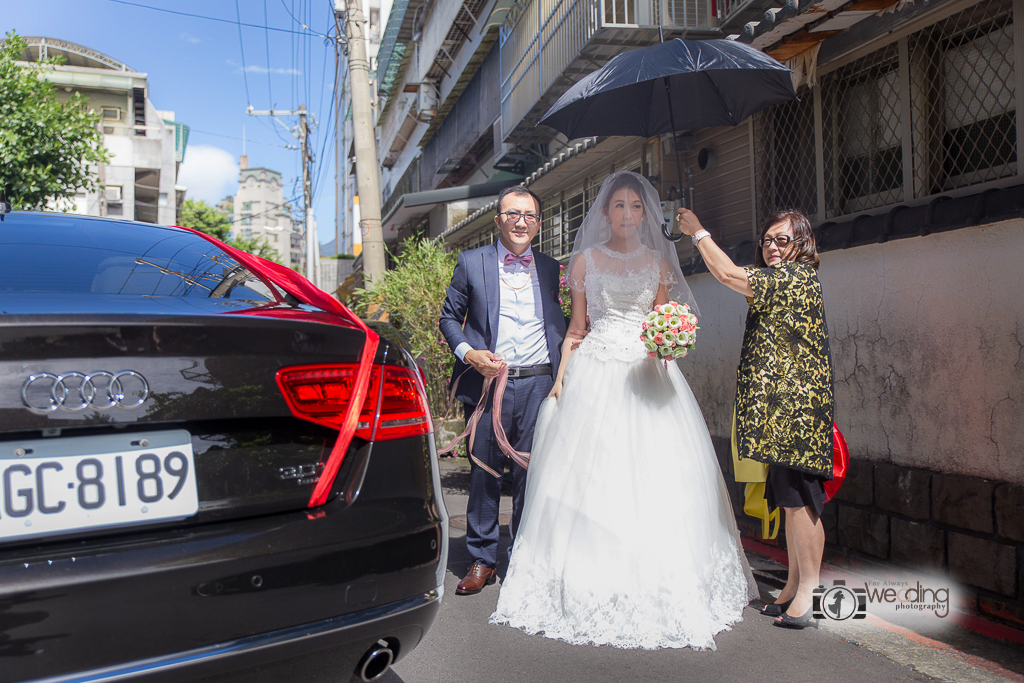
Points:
(784, 402)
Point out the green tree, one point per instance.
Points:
(412, 294)
(46, 148)
(198, 215)
(258, 246)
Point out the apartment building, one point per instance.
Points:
(146, 145)
(903, 148)
(260, 211)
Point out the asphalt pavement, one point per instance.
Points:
(463, 647)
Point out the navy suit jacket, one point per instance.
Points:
(470, 312)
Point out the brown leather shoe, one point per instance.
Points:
(477, 577)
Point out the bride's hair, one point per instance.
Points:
(625, 180)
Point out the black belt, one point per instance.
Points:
(529, 370)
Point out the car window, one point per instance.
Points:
(52, 254)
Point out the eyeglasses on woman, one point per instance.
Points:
(781, 241)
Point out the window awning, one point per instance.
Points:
(415, 204)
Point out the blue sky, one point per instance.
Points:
(195, 70)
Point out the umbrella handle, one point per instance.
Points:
(666, 230)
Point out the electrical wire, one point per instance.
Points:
(223, 21)
(241, 47)
(232, 137)
(264, 213)
(266, 35)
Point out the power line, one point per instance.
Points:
(292, 15)
(277, 207)
(241, 46)
(232, 137)
(266, 35)
(223, 21)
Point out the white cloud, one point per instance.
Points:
(189, 38)
(210, 173)
(257, 69)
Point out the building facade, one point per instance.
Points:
(903, 149)
(260, 211)
(146, 145)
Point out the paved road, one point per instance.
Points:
(463, 647)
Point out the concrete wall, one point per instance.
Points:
(928, 347)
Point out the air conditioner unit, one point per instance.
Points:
(426, 103)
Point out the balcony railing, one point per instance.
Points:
(547, 45)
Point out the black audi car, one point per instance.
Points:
(190, 487)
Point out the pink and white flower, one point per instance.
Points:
(669, 331)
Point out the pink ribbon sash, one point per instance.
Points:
(521, 458)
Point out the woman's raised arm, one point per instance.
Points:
(718, 262)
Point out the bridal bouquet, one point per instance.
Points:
(669, 331)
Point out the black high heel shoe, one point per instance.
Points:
(776, 609)
(798, 623)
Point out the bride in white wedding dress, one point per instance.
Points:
(627, 536)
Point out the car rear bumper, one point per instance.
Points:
(150, 595)
(342, 639)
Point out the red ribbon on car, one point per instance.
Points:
(306, 292)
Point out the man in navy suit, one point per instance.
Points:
(502, 308)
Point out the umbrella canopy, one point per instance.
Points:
(673, 86)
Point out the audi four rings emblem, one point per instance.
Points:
(77, 391)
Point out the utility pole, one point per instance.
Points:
(362, 130)
(307, 194)
(302, 133)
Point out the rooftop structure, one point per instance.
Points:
(146, 145)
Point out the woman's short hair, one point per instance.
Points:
(806, 248)
(627, 180)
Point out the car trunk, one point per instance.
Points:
(156, 420)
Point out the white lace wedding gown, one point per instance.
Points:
(627, 536)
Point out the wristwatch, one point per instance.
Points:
(699, 235)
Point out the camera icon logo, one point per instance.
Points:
(840, 603)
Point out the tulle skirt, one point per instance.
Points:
(627, 536)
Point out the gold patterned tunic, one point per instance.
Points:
(784, 402)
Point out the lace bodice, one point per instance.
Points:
(620, 291)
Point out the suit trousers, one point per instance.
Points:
(520, 406)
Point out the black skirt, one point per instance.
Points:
(791, 488)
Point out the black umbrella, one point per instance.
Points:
(674, 86)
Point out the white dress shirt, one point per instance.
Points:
(521, 337)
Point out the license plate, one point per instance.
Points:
(55, 485)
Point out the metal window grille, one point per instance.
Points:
(551, 227)
(563, 217)
(963, 99)
(926, 114)
(620, 11)
(784, 157)
(862, 134)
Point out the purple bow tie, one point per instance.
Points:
(525, 259)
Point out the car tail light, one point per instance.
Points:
(403, 405)
(320, 394)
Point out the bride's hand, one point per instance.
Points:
(556, 390)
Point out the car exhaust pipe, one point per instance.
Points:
(375, 662)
